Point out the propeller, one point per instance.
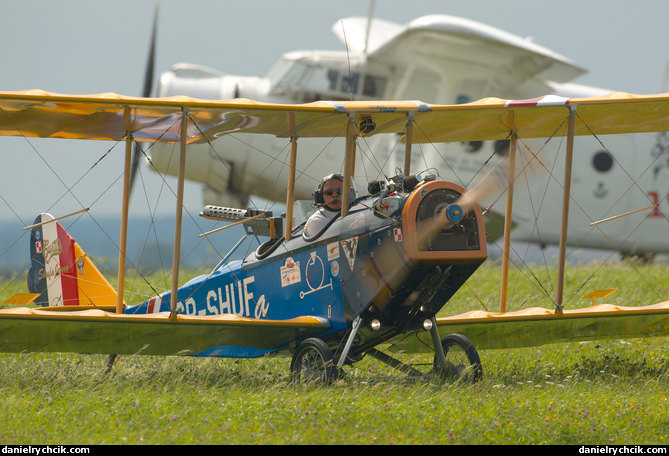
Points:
(494, 182)
(146, 92)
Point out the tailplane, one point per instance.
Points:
(61, 272)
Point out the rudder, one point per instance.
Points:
(61, 272)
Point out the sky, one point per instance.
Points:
(85, 47)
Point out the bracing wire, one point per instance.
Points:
(578, 205)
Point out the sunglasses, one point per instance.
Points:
(330, 192)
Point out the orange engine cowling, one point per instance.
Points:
(456, 243)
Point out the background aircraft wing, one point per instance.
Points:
(474, 55)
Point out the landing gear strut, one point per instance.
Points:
(455, 358)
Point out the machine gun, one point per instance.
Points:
(255, 221)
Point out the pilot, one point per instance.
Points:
(328, 199)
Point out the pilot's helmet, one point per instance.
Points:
(318, 194)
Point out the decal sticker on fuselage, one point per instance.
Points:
(290, 272)
(350, 247)
(334, 268)
(315, 275)
(333, 251)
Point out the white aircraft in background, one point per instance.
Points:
(444, 60)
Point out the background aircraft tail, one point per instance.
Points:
(61, 272)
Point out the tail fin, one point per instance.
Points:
(60, 270)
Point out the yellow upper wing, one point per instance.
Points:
(109, 117)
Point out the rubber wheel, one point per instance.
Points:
(313, 362)
(462, 359)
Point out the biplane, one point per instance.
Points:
(380, 271)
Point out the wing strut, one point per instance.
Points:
(349, 164)
(565, 208)
(507, 221)
(407, 147)
(124, 211)
(290, 189)
(180, 200)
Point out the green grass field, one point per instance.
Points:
(599, 392)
